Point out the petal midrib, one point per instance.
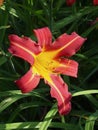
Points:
(46, 75)
(25, 49)
(66, 45)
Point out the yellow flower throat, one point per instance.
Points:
(45, 62)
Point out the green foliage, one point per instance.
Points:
(37, 110)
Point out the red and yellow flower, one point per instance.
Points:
(47, 61)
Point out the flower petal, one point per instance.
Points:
(59, 90)
(23, 47)
(67, 67)
(44, 37)
(28, 82)
(68, 45)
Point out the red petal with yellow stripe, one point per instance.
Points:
(44, 37)
(28, 82)
(67, 67)
(24, 48)
(59, 90)
(68, 45)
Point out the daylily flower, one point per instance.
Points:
(95, 2)
(70, 2)
(47, 61)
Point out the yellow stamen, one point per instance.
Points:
(46, 61)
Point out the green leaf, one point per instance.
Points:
(8, 101)
(77, 16)
(37, 125)
(24, 106)
(3, 59)
(91, 121)
(4, 27)
(11, 11)
(49, 117)
(84, 92)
